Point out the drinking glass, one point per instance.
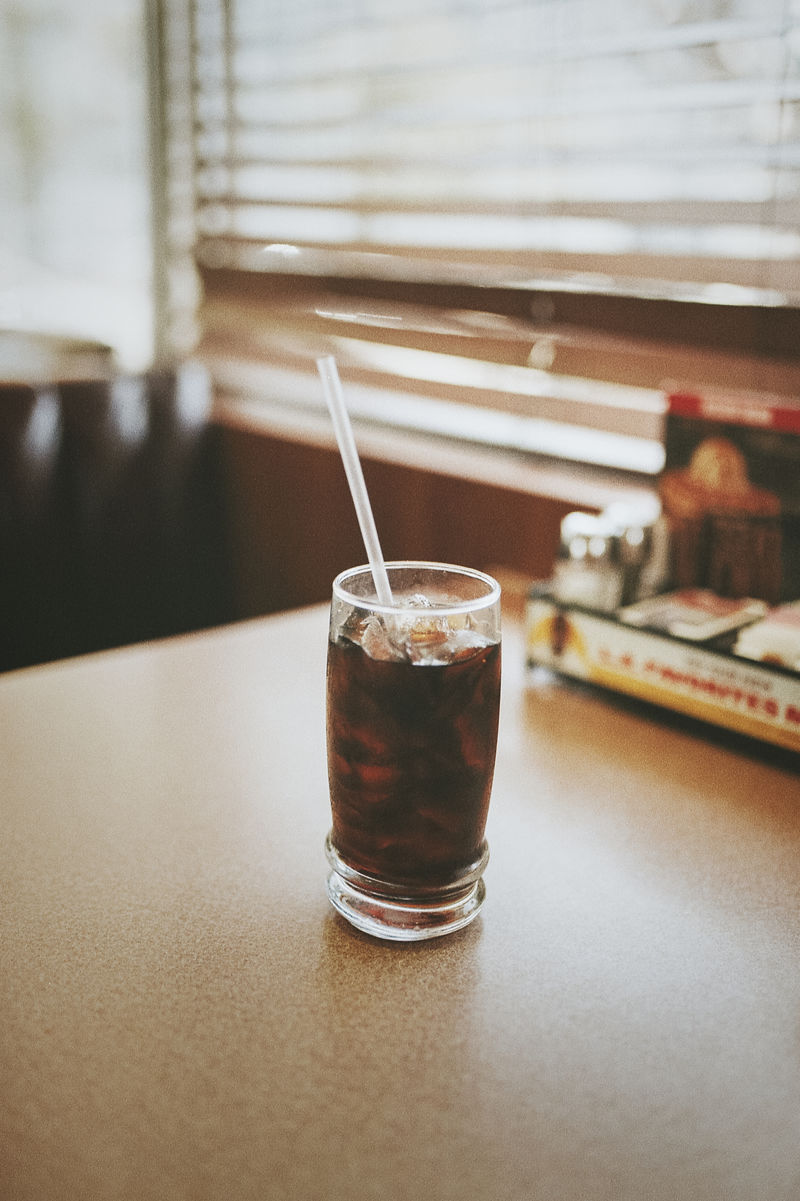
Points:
(413, 695)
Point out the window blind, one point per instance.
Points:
(371, 177)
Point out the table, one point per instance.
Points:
(184, 1016)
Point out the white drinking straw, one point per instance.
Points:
(355, 477)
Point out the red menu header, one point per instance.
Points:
(753, 409)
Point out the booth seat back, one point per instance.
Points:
(112, 514)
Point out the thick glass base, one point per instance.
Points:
(386, 911)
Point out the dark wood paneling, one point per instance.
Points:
(294, 527)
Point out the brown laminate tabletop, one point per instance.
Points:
(185, 1017)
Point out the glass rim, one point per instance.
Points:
(491, 597)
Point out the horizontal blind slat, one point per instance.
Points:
(535, 136)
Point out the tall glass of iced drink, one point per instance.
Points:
(413, 694)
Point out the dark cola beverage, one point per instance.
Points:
(411, 751)
(413, 702)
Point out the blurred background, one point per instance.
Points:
(649, 150)
(76, 244)
(519, 226)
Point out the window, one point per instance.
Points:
(75, 219)
(512, 221)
